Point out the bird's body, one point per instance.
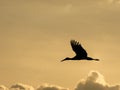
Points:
(81, 53)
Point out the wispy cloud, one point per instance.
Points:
(95, 81)
(109, 2)
(68, 8)
(114, 1)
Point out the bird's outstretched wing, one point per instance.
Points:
(78, 49)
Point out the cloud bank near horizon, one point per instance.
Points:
(94, 81)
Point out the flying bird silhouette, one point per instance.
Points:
(81, 53)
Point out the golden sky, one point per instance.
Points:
(35, 35)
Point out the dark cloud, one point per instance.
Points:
(95, 81)
(51, 87)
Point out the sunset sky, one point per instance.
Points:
(35, 36)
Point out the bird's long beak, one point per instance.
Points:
(63, 60)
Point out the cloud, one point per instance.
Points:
(2, 87)
(51, 87)
(95, 81)
(21, 86)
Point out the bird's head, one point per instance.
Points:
(67, 58)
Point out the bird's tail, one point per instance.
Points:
(96, 59)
